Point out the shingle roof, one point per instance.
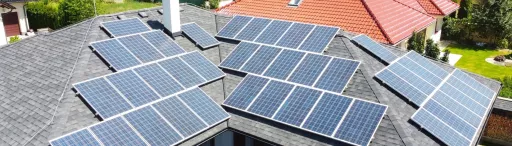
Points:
(34, 72)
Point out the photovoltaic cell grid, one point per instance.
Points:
(413, 76)
(115, 93)
(132, 50)
(199, 35)
(293, 35)
(375, 48)
(125, 27)
(343, 118)
(153, 124)
(456, 111)
(319, 71)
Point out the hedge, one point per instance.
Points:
(44, 14)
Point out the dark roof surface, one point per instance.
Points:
(34, 73)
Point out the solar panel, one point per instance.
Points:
(199, 35)
(309, 69)
(152, 127)
(182, 72)
(297, 105)
(413, 76)
(203, 106)
(234, 26)
(163, 43)
(246, 91)
(141, 48)
(295, 35)
(292, 35)
(319, 71)
(181, 117)
(167, 121)
(253, 29)
(117, 132)
(360, 123)
(115, 54)
(159, 79)
(102, 97)
(319, 38)
(313, 110)
(273, 32)
(375, 48)
(125, 27)
(116, 93)
(261, 59)
(133, 88)
(132, 50)
(203, 66)
(239, 55)
(79, 138)
(457, 107)
(337, 75)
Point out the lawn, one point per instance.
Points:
(473, 60)
(109, 8)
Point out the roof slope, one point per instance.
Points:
(34, 72)
(383, 20)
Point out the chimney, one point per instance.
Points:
(172, 16)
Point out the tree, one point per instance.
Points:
(431, 49)
(493, 19)
(76, 10)
(445, 55)
(466, 7)
(416, 43)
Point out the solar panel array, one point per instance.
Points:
(199, 35)
(132, 50)
(375, 48)
(294, 35)
(167, 121)
(122, 91)
(319, 71)
(336, 116)
(413, 76)
(457, 110)
(125, 27)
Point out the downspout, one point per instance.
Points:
(26, 17)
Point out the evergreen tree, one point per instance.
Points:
(76, 10)
(431, 49)
(445, 55)
(416, 43)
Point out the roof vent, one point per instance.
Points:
(143, 14)
(294, 3)
(121, 17)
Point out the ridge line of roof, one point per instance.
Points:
(378, 94)
(374, 18)
(437, 7)
(426, 13)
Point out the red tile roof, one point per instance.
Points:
(388, 21)
(430, 7)
(445, 6)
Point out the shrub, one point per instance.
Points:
(14, 39)
(509, 56)
(446, 55)
(499, 126)
(76, 10)
(43, 14)
(214, 4)
(431, 49)
(416, 42)
(503, 44)
(499, 58)
(506, 89)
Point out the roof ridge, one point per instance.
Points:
(414, 8)
(227, 5)
(386, 35)
(437, 7)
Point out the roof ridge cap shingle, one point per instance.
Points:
(374, 18)
(414, 8)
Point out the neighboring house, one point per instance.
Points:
(14, 19)
(38, 104)
(388, 21)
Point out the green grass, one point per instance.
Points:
(110, 8)
(473, 60)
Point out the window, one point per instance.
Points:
(294, 2)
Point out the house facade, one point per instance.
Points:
(14, 19)
(388, 21)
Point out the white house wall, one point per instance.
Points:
(22, 20)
